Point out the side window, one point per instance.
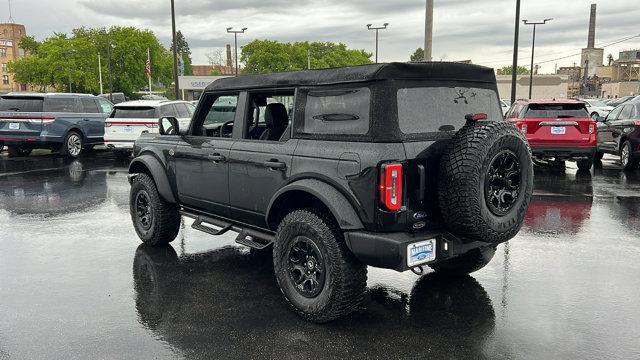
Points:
(511, 112)
(269, 115)
(191, 109)
(339, 111)
(626, 112)
(89, 105)
(217, 110)
(105, 106)
(614, 113)
(168, 110)
(182, 110)
(60, 104)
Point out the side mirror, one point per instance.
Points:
(168, 125)
(600, 118)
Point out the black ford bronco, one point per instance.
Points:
(397, 166)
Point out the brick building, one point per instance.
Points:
(10, 36)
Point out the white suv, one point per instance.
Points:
(129, 120)
(596, 107)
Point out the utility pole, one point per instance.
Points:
(533, 48)
(514, 64)
(235, 39)
(100, 72)
(428, 31)
(66, 53)
(378, 28)
(175, 51)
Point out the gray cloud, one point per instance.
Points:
(463, 29)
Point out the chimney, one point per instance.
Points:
(428, 31)
(229, 58)
(591, 43)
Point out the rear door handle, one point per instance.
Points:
(216, 157)
(275, 164)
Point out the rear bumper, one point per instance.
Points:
(564, 152)
(389, 250)
(119, 145)
(34, 141)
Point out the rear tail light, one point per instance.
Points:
(636, 122)
(391, 186)
(592, 128)
(523, 128)
(107, 124)
(30, 119)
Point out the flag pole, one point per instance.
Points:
(149, 68)
(100, 73)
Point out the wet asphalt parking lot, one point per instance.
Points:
(75, 283)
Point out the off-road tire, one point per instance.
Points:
(461, 181)
(64, 148)
(345, 277)
(631, 163)
(18, 151)
(165, 217)
(585, 164)
(466, 263)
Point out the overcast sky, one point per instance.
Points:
(463, 29)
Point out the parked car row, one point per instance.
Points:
(71, 123)
(579, 130)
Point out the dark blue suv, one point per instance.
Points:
(68, 123)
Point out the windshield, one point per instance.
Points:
(134, 113)
(596, 103)
(223, 110)
(556, 111)
(443, 109)
(22, 104)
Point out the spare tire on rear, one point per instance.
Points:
(485, 181)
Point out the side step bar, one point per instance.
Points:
(252, 238)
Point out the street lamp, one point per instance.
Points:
(110, 47)
(377, 28)
(533, 47)
(235, 38)
(66, 53)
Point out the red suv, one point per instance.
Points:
(556, 129)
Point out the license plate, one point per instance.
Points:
(128, 129)
(558, 130)
(14, 126)
(421, 252)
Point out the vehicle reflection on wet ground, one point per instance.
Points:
(76, 283)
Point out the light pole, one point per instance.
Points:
(110, 47)
(377, 28)
(175, 51)
(514, 64)
(235, 39)
(533, 48)
(66, 53)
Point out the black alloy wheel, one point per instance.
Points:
(502, 183)
(306, 267)
(144, 215)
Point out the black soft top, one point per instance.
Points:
(436, 71)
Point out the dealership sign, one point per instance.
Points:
(4, 42)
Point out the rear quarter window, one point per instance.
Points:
(60, 104)
(343, 111)
(22, 104)
(442, 109)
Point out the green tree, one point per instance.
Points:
(184, 52)
(265, 56)
(506, 70)
(417, 55)
(53, 61)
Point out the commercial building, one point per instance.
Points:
(193, 86)
(10, 36)
(544, 86)
(622, 76)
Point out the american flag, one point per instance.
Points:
(148, 69)
(147, 66)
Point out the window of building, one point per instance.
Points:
(3, 52)
(5, 79)
(4, 67)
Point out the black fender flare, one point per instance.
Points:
(157, 171)
(334, 200)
